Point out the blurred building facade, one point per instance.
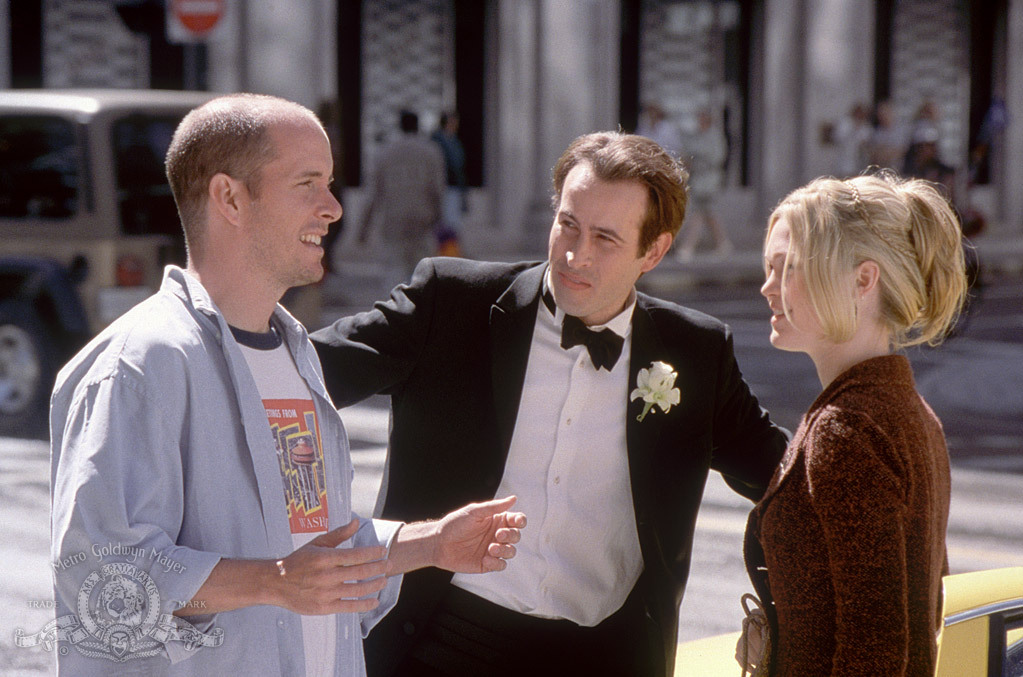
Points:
(528, 76)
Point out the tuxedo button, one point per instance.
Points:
(409, 627)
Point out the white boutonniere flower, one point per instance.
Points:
(656, 386)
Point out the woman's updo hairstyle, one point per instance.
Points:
(904, 225)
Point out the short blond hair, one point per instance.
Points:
(906, 226)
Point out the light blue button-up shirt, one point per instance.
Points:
(162, 462)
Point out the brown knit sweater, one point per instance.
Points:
(853, 529)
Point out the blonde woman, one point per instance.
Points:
(847, 547)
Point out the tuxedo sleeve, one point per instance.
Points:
(747, 445)
(375, 351)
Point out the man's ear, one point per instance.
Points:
(868, 274)
(225, 197)
(656, 252)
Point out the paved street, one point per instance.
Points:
(972, 382)
(984, 532)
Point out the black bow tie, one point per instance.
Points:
(604, 346)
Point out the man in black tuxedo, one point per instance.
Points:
(601, 408)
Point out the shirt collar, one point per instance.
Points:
(181, 283)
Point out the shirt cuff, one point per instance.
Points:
(379, 532)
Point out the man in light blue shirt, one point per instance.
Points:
(199, 469)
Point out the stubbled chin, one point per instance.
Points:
(314, 273)
(569, 299)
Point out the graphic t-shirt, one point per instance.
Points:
(300, 457)
(296, 434)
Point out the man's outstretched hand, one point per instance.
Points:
(318, 578)
(474, 539)
(479, 537)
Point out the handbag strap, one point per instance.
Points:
(748, 600)
(751, 598)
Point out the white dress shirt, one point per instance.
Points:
(579, 557)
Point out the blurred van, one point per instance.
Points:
(87, 223)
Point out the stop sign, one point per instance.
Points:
(198, 17)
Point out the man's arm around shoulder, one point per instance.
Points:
(748, 445)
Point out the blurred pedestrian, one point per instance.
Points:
(924, 162)
(923, 129)
(996, 120)
(406, 193)
(655, 124)
(847, 548)
(708, 151)
(455, 203)
(852, 134)
(888, 140)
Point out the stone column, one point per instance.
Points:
(5, 44)
(557, 70)
(285, 49)
(1012, 172)
(839, 73)
(779, 94)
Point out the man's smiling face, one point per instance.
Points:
(293, 206)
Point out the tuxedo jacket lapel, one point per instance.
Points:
(642, 436)
(512, 318)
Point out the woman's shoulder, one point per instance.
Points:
(846, 441)
(871, 407)
(837, 424)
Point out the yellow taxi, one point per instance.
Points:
(981, 634)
